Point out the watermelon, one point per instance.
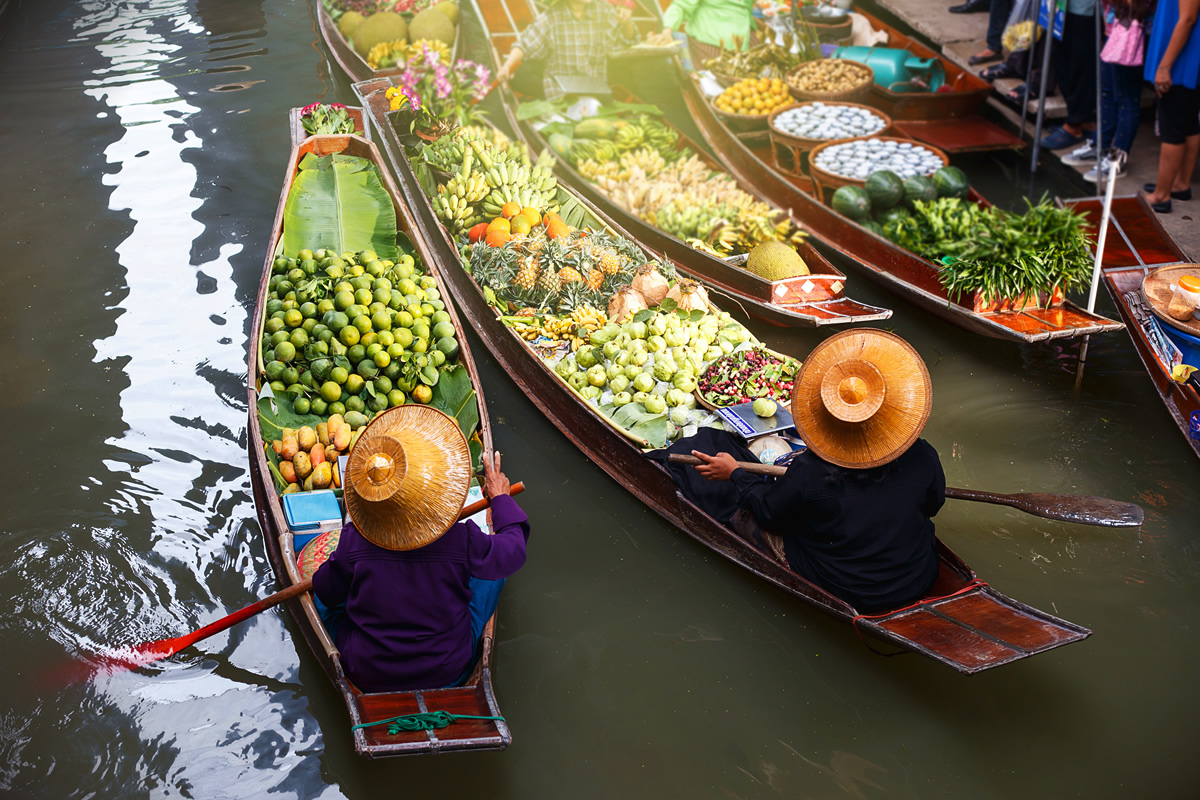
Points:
(873, 227)
(884, 188)
(951, 182)
(561, 145)
(919, 188)
(852, 202)
(889, 214)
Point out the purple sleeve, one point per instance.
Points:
(331, 581)
(503, 553)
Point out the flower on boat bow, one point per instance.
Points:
(319, 118)
(439, 91)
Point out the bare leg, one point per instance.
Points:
(1170, 160)
(1183, 178)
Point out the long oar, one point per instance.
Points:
(1066, 507)
(153, 651)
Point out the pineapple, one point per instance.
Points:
(594, 280)
(527, 275)
(607, 259)
(569, 275)
(547, 281)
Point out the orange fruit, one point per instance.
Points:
(534, 216)
(510, 209)
(499, 224)
(556, 228)
(477, 232)
(497, 238)
(520, 224)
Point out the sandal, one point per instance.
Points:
(1015, 98)
(1001, 70)
(980, 58)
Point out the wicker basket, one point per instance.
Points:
(798, 147)
(827, 182)
(867, 80)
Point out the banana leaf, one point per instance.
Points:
(338, 202)
(455, 395)
(634, 418)
(276, 412)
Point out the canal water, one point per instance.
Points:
(144, 143)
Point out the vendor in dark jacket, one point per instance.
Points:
(408, 590)
(854, 510)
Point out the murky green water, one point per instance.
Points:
(144, 145)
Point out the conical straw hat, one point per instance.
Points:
(861, 398)
(407, 477)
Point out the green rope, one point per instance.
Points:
(420, 722)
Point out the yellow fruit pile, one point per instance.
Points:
(308, 456)
(754, 96)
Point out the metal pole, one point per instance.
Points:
(1041, 114)
(1033, 29)
(1102, 235)
(1100, 176)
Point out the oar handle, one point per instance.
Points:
(752, 467)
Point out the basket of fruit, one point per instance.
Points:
(852, 162)
(748, 103)
(830, 79)
(744, 375)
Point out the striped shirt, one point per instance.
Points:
(574, 46)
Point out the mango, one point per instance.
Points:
(308, 483)
(307, 438)
(287, 471)
(354, 438)
(290, 447)
(317, 454)
(323, 433)
(335, 421)
(291, 489)
(277, 446)
(302, 464)
(342, 440)
(337, 476)
(322, 475)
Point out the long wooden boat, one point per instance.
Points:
(806, 301)
(1135, 246)
(348, 58)
(964, 623)
(748, 155)
(951, 119)
(475, 697)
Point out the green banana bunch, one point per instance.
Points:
(629, 138)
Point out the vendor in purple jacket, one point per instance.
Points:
(416, 585)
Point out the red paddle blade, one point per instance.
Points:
(110, 663)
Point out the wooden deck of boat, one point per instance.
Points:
(476, 697)
(963, 624)
(1135, 245)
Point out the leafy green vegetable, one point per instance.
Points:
(455, 395)
(339, 202)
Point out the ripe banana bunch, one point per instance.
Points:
(472, 189)
(506, 174)
(649, 161)
(455, 211)
(586, 321)
(607, 151)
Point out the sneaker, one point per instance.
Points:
(1061, 139)
(1085, 154)
(1117, 156)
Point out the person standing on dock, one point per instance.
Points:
(855, 510)
(1074, 60)
(711, 25)
(408, 590)
(1173, 63)
(575, 39)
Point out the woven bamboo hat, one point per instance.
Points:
(407, 477)
(861, 398)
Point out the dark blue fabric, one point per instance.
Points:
(998, 12)
(1074, 60)
(1120, 105)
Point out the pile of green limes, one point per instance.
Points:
(351, 332)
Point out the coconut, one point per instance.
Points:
(625, 302)
(689, 295)
(650, 282)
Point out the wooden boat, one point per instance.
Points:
(296, 124)
(951, 119)
(964, 623)
(806, 301)
(1135, 246)
(475, 697)
(748, 155)
(348, 59)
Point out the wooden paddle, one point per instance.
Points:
(153, 651)
(1066, 507)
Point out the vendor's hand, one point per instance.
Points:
(1162, 80)
(495, 482)
(624, 14)
(715, 468)
(504, 74)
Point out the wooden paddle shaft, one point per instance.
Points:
(1098, 511)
